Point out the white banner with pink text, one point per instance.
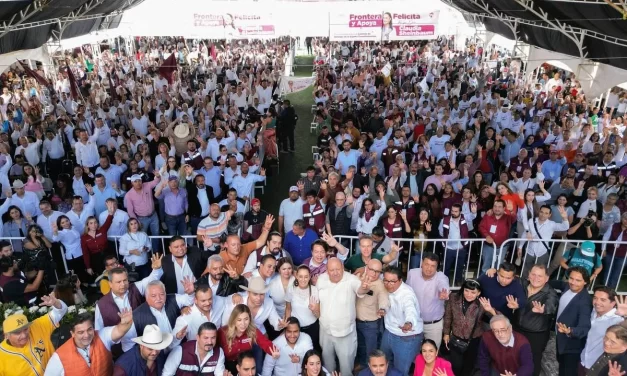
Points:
(384, 26)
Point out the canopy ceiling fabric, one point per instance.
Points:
(598, 17)
(34, 37)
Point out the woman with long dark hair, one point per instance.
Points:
(312, 365)
(463, 326)
(15, 226)
(429, 363)
(301, 299)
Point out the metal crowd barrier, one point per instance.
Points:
(471, 266)
(473, 262)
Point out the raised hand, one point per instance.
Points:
(330, 240)
(485, 303)
(614, 369)
(48, 300)
(443, 294)
(156, 261)
(407, 327)
(508, 373)
(365, 283)
(563, 328)
(512, 302)
(231, 271)
(126, 316)
(188, 285)
(274, 352)
(295, 358)
(186, 310)
(621, 305)
(237, 299)
(439, 372)
(537, 307)
(181, 333)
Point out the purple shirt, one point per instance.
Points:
(175, 203)
(427, 292)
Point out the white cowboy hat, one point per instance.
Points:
(17, 184)
(181, 130)
(256, 285)
(153, 338)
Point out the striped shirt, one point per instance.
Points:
(213, 228)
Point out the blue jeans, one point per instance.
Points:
(176, 224)
(488, 256)
(415, 259)
(150, 226)
(367, 338)
(612, 276)
(258, 354)
(401, 351)
(193, 224)
(455, 260)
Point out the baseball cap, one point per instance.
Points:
(293, 189)
(135, 177)
(15, 322)
(587, 248)
(171, 178)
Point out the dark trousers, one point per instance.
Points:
(287, 136)
(367, 340)
(463, 363)
(568, 364)
(455, 260)
(77, 265)
(97, 263)
(53, 168)
(314, 332)
(537, 341)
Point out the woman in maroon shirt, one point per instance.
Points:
(395, 224)
(240, 334)
(94, 242)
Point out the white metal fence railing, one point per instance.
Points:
(471, 264)
(469, 261)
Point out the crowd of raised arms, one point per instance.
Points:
(459, 217)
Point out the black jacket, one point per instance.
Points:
(287, 117)
(576, 315)
(194, 209)
(227, 286)
(621, 359)
(196, 259)
(527, 320)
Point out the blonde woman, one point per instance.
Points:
(240, 334)
(94, 242)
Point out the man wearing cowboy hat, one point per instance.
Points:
(27, 201)
(254, 298)
(27, 347)
(181, 130)
(146, 358)
(197, 357)
(88, 349)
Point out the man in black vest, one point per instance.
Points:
(147, 358)
(200, 196)
(179, 263)
(186, 356)
(339, 216)
(159, 309)
(123, 294)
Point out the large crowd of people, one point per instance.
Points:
(391, 255)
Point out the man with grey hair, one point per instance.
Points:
(160, 309)
(503, 351)
(222, 279)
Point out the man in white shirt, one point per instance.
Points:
(86, 150)
(203, 349)
(604, 315)
(53, 149)
(30, 151)
(264, 93)
(83, 338)
(245, 181)
(346, 158)
(80, 212)
(292, 345)
(403, 326)
(27, 201)
(338, 333)
(121, 293)
(206, 308)
(539, 234)
(47, 217)
(255, 299)
(290, 210)
(157, 305)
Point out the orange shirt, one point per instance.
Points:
(238, 262)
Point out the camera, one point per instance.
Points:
(588, 220)
(133, 276)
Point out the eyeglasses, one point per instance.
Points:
(388, 282)
(375, 270)
(500, 331)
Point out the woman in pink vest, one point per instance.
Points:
(429, 363)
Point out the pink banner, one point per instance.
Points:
(414, 30)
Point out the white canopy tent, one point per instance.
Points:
(595, 78)
(38, 54)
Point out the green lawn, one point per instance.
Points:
(292, 164)
(303, 66)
